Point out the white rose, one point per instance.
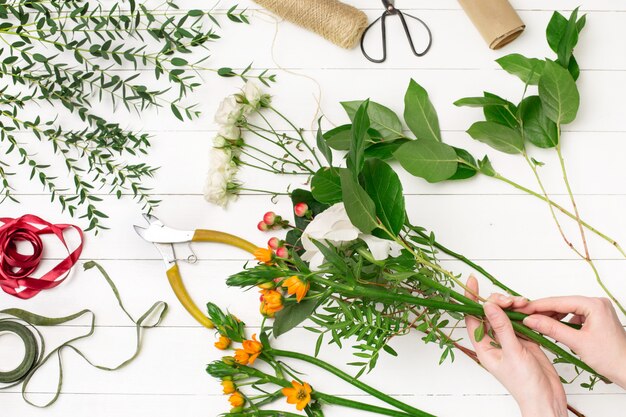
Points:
(253, 93)
(228, 112)
(219, 141)
(333, 226)
(229, 132)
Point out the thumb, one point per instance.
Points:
(552, 328)
(502, 327)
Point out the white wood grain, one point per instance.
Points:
(509, 233)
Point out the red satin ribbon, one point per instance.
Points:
(16, 268)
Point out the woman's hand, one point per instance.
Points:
(518, 364)
(601, 342)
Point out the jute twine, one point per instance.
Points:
(337, 22)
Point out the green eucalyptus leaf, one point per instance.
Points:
(384, 187)
(526, 69)
(326, 185)
(537, 127)
(292, 315)
(359, 206)
(419, 113)
(480, 102)
(358, 132)
(466, 167)
(504, 114)
(559, 94)
(499, 137)
(322, 146)
(179, 62)
(428, 159)
(382, 118)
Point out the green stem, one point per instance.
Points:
(348, 378)
(344, 402)
(468, 262)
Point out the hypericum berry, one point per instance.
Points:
(274, 243)
(270, 218)
(262, 226)
(300, 209)
(282, 252)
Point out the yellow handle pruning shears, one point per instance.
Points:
(164, 238)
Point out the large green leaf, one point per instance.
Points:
(537, 128)
(384, 150)
(326, 186)
(382, 118)
(433, 161)
(504, 114)
(322, 145)
(384, 187)
(360, 125)
(359, 206)
(340, 137)
(563, 39)
(526, 69)
(419, 113)
(568, 41)
(558, 93)
(292, 315)
(480, 101)
(466, 167)
(500, 137)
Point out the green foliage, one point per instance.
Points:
(384, 188)
(428, 159)
(359, 206)
(537, 127)
(64, 56)
(326, 185)
(419, 113)
(558, 94)
(383, 119)
(226, 324)
(499, 137)
(526, 69)
(292, 315)
(358, 132)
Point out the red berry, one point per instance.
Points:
(274, 243)
(262, 226)
(300, 209)
(269, 218)
(282, 252)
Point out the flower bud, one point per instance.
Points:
(262, 226)
(228, 360)
(301, 209)
(270, 218)
(282, 252)
(274, 243)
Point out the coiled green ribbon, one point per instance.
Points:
(35, 356)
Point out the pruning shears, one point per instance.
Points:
(166, 239)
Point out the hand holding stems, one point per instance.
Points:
(600, 327)
(520, 365)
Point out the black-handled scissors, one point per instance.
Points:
(390, 10)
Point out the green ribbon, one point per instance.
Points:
(34, 344)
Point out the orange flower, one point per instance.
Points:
(253, 348)
(236, 400)
(296, 286)
(264, 255)
(229, 387)
(271, 302)
(300, 394)
(242, 357)
(223, 343)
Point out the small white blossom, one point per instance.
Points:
(218, 188)
(333, 226)
(228, 112)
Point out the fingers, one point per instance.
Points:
(471, 290)
(578, 305)
(553, 328)
(507, 301)
(502, 327)
(472, 323)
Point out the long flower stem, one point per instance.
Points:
(346, 377)
(468, 262)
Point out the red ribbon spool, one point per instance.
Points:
(16, 268)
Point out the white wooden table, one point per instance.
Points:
(509, 233)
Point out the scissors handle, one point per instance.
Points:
(202, 235)
(176, 282)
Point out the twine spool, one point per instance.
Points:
(337, 22)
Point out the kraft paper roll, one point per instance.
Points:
(496, 20)
(337, 22)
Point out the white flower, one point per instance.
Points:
(333, 226)
(253, 93)
(219, 141)
(229, 132)
(228, 112)
(218, 188)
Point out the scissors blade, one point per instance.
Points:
(152, 219)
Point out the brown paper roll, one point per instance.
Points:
(496, 20)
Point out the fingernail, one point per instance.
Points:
(490, 309)
(530, 321)
(504, 299)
